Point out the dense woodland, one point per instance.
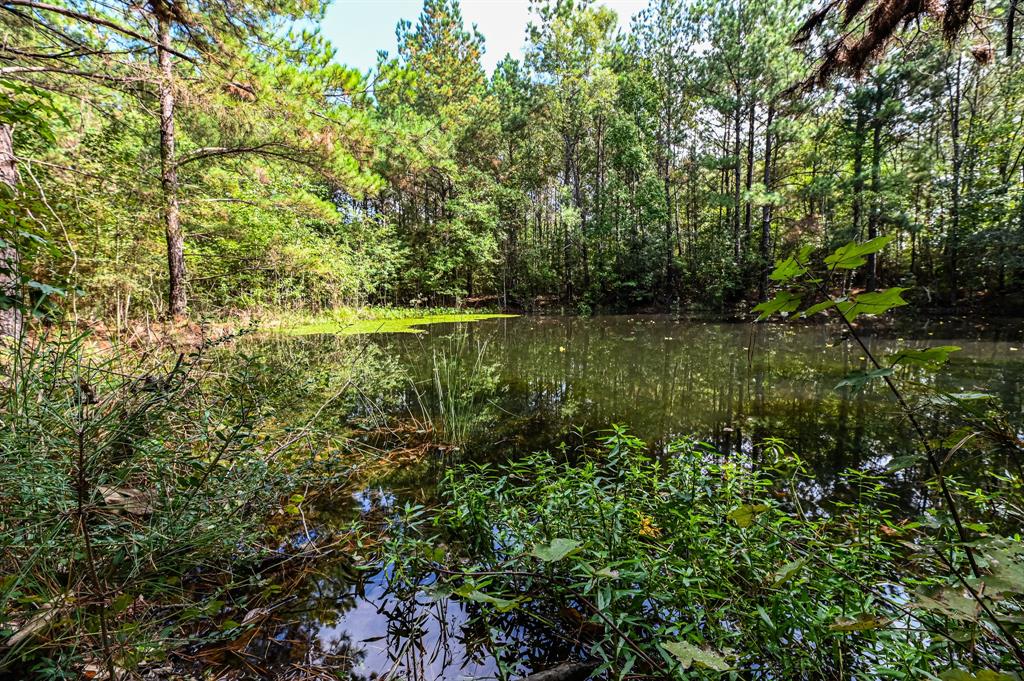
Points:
(170, 157)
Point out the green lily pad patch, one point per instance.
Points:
(398, 325)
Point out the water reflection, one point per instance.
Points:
(500, 388)
(534, 379)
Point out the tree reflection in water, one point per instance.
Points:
(544, 381)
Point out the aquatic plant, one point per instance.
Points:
(695, 564)
(461, 382)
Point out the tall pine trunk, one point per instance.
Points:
(860, 132)
(874, 217)
(737, 171)
(748, 209)
(10, 279)
(953, 235)
(766, 209)
(177, 300)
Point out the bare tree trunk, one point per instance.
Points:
(748, 211)
(737, 170)
(858, 170)
(874, 217)
(176, 276)
(10, 283)
(766, 209)
(953, 235)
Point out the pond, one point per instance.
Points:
(499, 388)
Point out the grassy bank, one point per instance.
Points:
(146, 505)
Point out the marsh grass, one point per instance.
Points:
(135, 492)
(454, 404)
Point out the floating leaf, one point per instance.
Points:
(743, 515)
(689, 654)
(876, 302)
(853, 254)
(558, 549)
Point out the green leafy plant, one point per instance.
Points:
(135, 494)
(964, 552)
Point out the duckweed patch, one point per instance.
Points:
(374, 326)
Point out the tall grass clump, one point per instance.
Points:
(133, 492)
(462, 383)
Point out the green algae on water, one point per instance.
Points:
(400, 325)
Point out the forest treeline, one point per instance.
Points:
(168, 157)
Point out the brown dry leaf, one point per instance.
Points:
(125, 499)
(35, 624)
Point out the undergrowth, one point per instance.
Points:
(694, 565)
(135, 496)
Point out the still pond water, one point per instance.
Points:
(497, 388)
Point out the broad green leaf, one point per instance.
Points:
(982, 675)
(121, 603)
(689, 655)
(873, 303)
(466, 589)
(788, 571)
(783, 303)
(901, 462)
(558, 549)
(853, 254)
(925, 357)
(862, 622)
(819, 307)
(787, 270)
(743, 515)
(970, 396)
(45, 289)
(858, 379)
(1007, 573)
(500, 604)
(950, 602)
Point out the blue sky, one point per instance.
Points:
(358, 28)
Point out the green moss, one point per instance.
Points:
(401, 325)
